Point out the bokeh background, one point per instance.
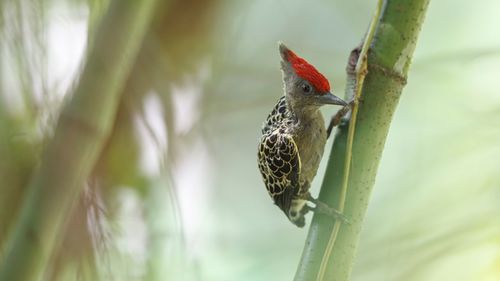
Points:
(176, 194)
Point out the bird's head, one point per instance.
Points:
(304, 84)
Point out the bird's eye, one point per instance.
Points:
(306, 88)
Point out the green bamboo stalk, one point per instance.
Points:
(389, 58)
(360, 71)
(83, 126)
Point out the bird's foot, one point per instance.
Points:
(342, 116)
(323, 208)
(354, 100)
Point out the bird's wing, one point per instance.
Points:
(279, 163)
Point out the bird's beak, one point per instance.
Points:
(330, 98)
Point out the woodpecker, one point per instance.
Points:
(294, 136)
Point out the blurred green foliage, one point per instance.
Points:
(176, 194)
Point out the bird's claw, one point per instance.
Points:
(324, 209)
(353, 101)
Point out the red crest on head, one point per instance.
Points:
(308, 72)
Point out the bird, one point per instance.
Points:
(294, 137)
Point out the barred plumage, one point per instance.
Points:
(278, 157)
